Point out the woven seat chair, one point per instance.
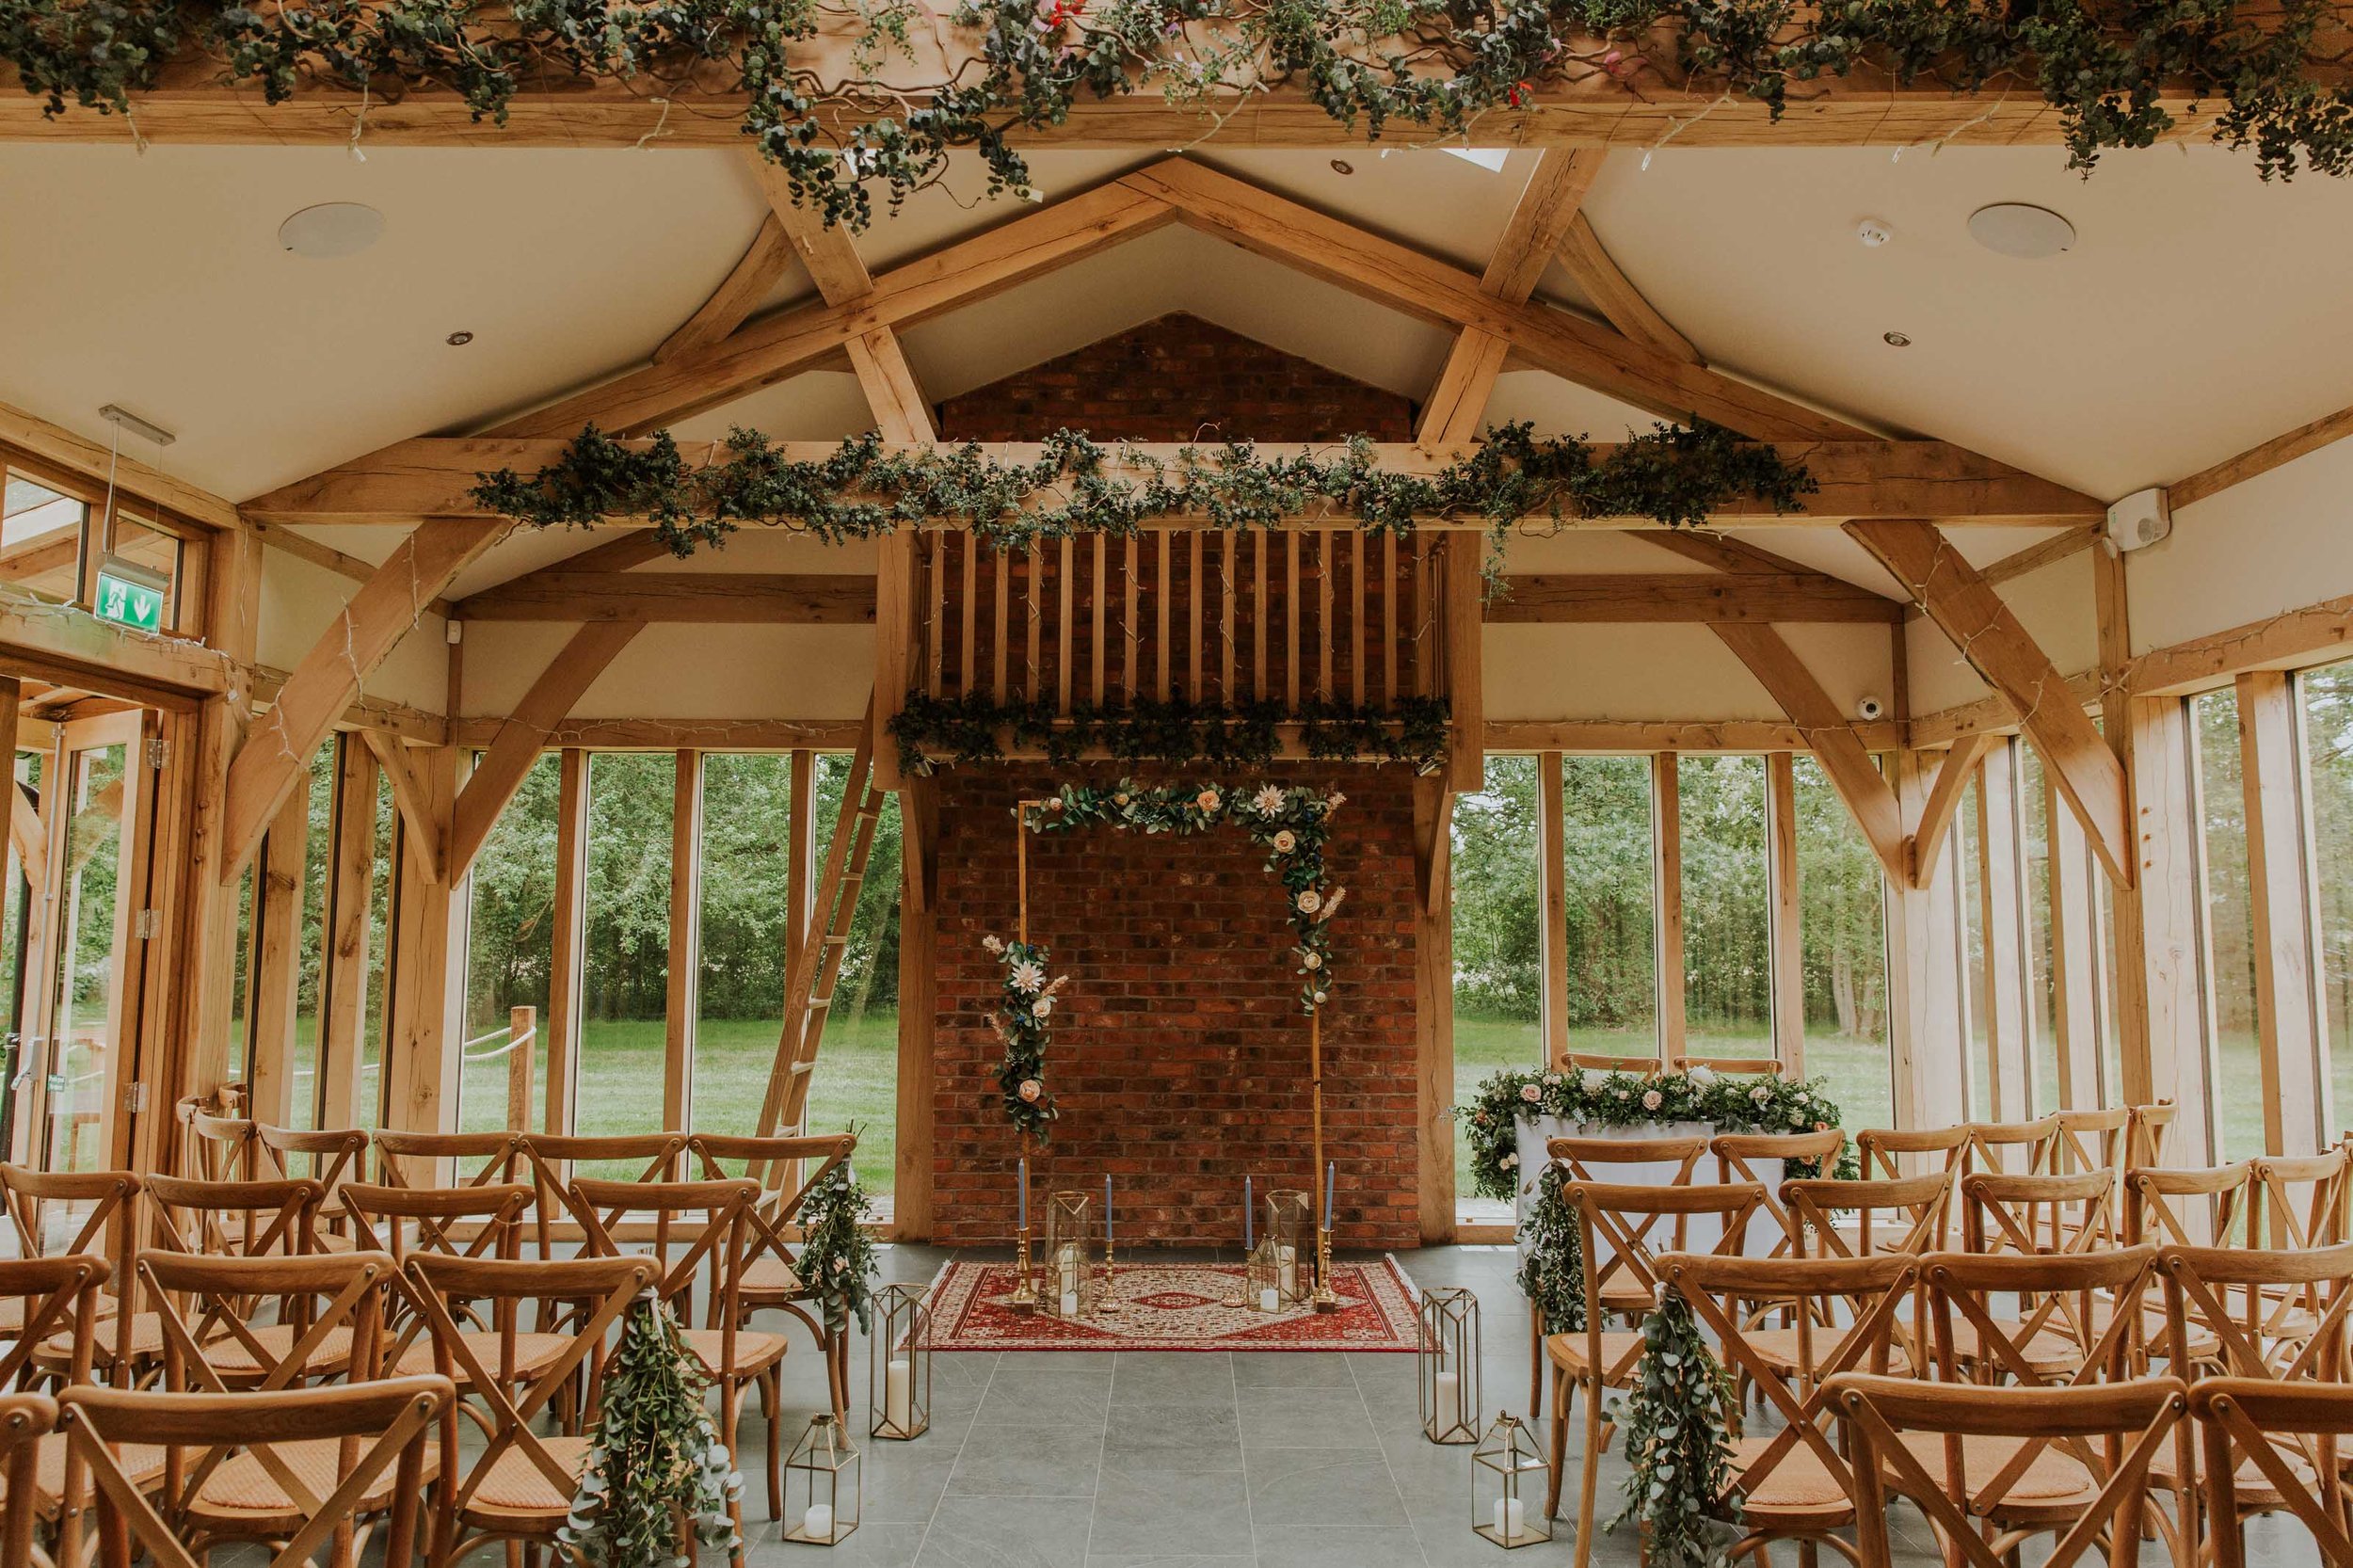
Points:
(2027, 1216)
(79, 1211)
(1884, 1150)
(1745, 1066)
(409, 1222)
(1644, 1067)
(2268, 1423)
(2145, 1138)
(1764, 1158)
(328, 1158)
(1897, 1214)
(55, 1298)
(786, 1168)
(25, 1420)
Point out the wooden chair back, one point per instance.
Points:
(2013, 1148)
(1642, 1066)
(253, 1219)
(2270, 1313)
(1755, 1067)
(1964, 1288)
(782, 1166)
(50, 1297)
(1896, 1214)
(25, 1420)
(394, 1419)
(713, 1213)
(1869, 1291)
(408, 1221)
(217, 1147)
(1619, 1229)
(2145, 1137)
(2189, 1207)
(2299, 1200)
(551, 1159)
(2249, 1419)
(1884, 1149)
(1765, 1159)
(327, 1310)
(2090, 1140)
(2049, 1215)
(414, 1159)
(56, 1213)
(2132, 1422)
(511, 1419)
(1580, 1157)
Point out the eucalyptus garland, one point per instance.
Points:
(654, 1458)
(1024, 1003)
(838, 128)
(1552, 1269)
(934, 732)
(1678, 476)
(836, 1264)
(1735, 1103)
(1678, 1441)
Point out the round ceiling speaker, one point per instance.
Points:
(331, 230)
(2015, 229)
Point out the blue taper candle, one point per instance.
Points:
(1246, 1237)
(1025, 1191)
(1331, 1171)
(1107, 1209)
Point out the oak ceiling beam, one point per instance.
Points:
(830, 252)
(1833, 742)
(1967, 610)
(412, 798)
(1927, 840)
(432, 477)
(1742, 558)
(708, 598)
(764, 263)
(94, 462)
(2305, 438)
(1591, 354)
(503, 767)
(303, 548)
(1622, 598)
(1622, 304)
(277, 751)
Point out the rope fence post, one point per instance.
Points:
(521, 1025)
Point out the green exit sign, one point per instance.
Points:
(131, 596)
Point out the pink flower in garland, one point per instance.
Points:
(1208, 802)
(1030, 1091)
(1653, 1099)
(1529, 1093)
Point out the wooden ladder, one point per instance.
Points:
(816, 968)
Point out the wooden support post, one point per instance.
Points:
(1553, 905)
(686, 926)
(2001, 910)
(350, 898)
(1835, 745)
(800, 852)
(1433, 1014)
(570, 930)
(523, 1025)
(424, 1022)
(2282, 886)
(919, 935)
(2171, 1063)
(1464, 676)
(1923, 980)
(1667, 817)
(1788, 942)
(277, 960)
(2075, 956)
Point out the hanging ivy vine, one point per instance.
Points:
(1677, 1441)
(1672, 475)
(655, 1463)
(838, 130)
(935, 733)
(837, 1263)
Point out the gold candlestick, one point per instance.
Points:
(1325, 1298)
(1108, 1306)
(1024, 1294)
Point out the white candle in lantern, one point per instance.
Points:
(1445, 1394)
(818, 1521)
(1287, 1267)
(1510, 1517)
(1270, 1300)
(899, 1393)
(1071, 1303)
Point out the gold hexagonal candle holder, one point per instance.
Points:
(899, 1364)
(824, 1485)
(1508, 1486)
(1291, 1247)
(1448, 1348)
(1069, 1287)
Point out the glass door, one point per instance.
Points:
(90, 940)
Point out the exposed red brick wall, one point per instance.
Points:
(1179, 1054)
(1177, 379)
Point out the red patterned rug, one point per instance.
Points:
(1176, 1307)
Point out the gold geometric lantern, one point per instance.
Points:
(1508, 1486)
(1068, 1289)
(1449, 1356)
(1290, 1238)
(899, 1364)
(824, 1483)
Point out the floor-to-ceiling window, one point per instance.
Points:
(85, 1012)
(1969, 888)
(1727, 907)
(2327, 700)
(318, 863)
(855, 1080)
(1842, 926)
(746, 919)
(2041, 981)
(1498, 962)
(2227, 919)
(625, 969)
(510, 946)
(1609, 868)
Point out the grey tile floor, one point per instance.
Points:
(1098, 1460)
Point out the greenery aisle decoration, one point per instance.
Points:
(837, 1262)
(1022, 1010)
(825, 112)
(1678, 1442)
(934, 732)
(1733, 1102)
(1676, 476)
(654, 1456)
(1552, 1272)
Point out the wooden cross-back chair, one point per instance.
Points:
(1764, 1158)
(1602, 1062)
(2027, 1479)
(2028, 1216)
(1884, 1149)
(100, 1217)
(518, 1485)
(769, 1281)
(1751, 1067)
(2090, 1140)
(409, 1222)
(215, 1147)
(25, 1420)
(414, 1159)
(328, 1158)
(1914, 1210)
(2249, 1416)
(1922, 1440)
(735, 1356)
(2151, 1126)
(1795, 1484)
(2192, 1206)
(1623, 1220)
(2221, 1305)
(362, 1449)
(551, 1157)
(55, 1300)
(329, 1317)
(249, 1219)
(1579, 1160)
(2013, 1148)
(2299, 1199)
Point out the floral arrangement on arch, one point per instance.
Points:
(1733, 1102)
(1293, 824)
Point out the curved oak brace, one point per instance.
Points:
(1944, 805)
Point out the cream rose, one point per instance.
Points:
(1207, 801)
(1285, 842)
(1653, 1099)
(1030, 1091)
(1040, 1007)
(1310, 901)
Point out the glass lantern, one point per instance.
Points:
(1068, 1288)
(899, 1364)
(1508, 1476)
(823, 1484)
(1448, 1354)
(1291, 1238)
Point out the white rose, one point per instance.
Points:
(1207, 801)
(1321, 999)
(1284, 842)
(1760, 1093)
(1310, 901)
(1508, 1161)
(1313, 961)
(1551, 1079)
(993, 944)
(1592, 1081)
(1043, 1006)
(1653, 1099)
(1701, 1076)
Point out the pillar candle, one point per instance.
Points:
(1071, 1303)
(1270, 1300)
(898, 1393)
(1446, 1397)
(818, 1521)
(1510, 1517)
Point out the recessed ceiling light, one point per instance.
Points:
(458, 340)
(331, 230)
(1341, 165)
(1873, 232)
(2015, 229)
(1894, 340)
